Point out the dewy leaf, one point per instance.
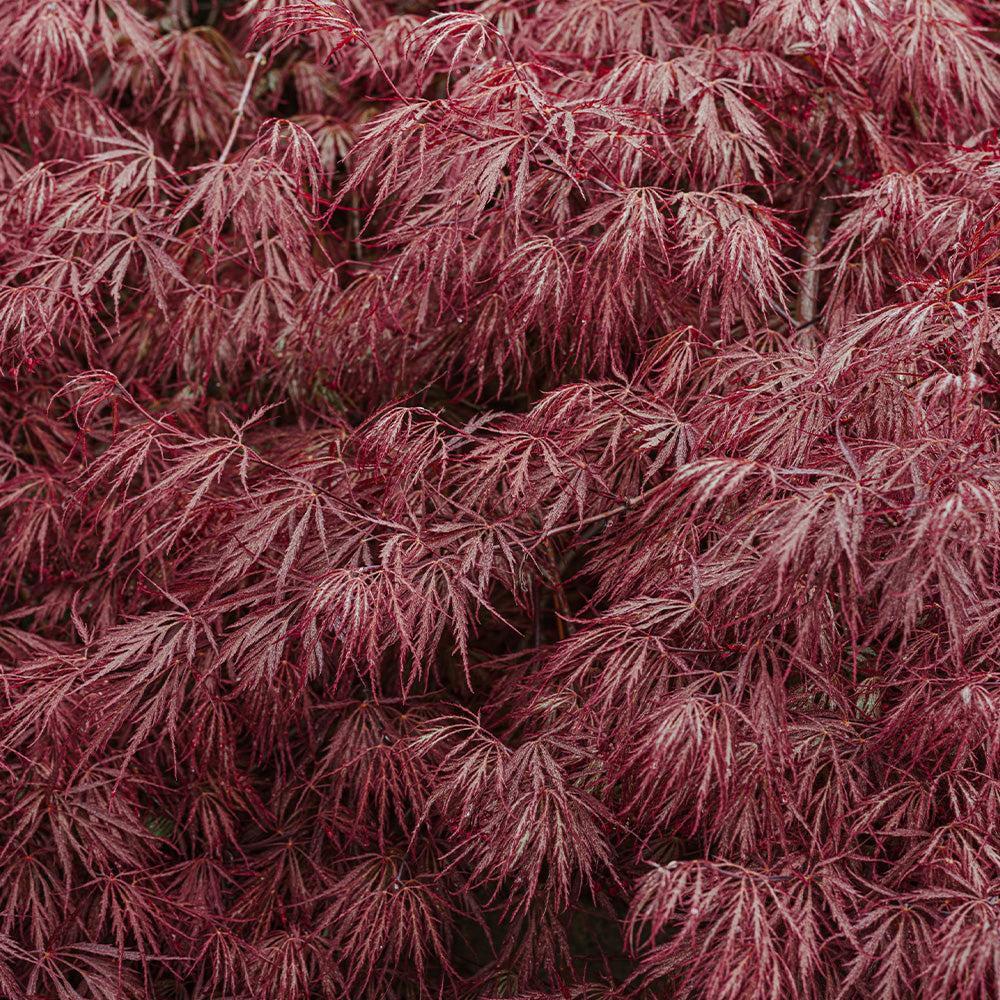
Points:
(499, 499)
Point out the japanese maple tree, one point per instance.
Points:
(500, 499)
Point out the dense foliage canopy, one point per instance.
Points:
(499, 499)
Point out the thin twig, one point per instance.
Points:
(558, 594)
(242, 106)
(630, 504)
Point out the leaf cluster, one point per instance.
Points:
(499, 499)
